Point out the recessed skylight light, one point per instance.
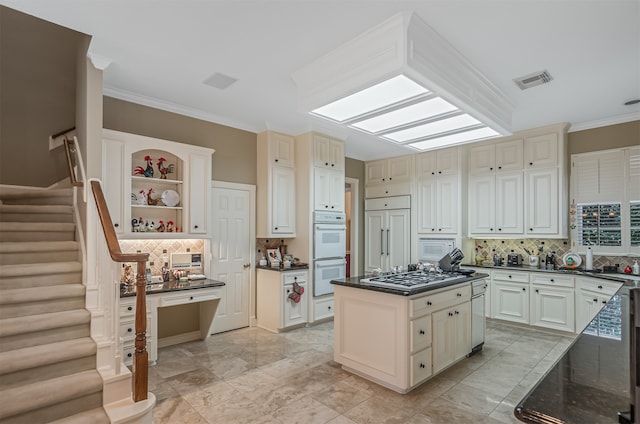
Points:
(432, 128)
(458, 138)
(384, 94)
(406, 115)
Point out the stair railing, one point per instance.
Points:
(71, 148)
(141, 356)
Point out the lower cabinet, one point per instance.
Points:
(511, 301)
(552, 301)
(451, 335)
(281, 299)
(591, 296)
(128, 330)
(322, 308)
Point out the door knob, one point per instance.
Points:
(245, 266)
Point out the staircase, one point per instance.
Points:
(47, 357)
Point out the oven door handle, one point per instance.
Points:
(387, 242)
(325, 263)
(330, 227)
(381, 243)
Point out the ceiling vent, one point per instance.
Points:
(220, 81)
(531, 80)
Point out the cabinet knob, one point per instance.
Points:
(531, 163)
(433, 173)
(276, 228)
(530, 229)
(439, 172)
(295, 278)
(386, 192)
(429, 303)
(595, 300)
(551, 280)
(537, 291)
(490, 229)
(329, 307)
(490, 169)
(421, 331)
(383, 179)
(390, 178)
(129, 330)
(326, 206)
(422, 365)
(116, 225)
(276, 160)
(288, 291)
(326, 163)
(333, 164)
(195, 226)
(130, 308)
(129, 355)
(433, 229)
(499, 167)
(604, 302)
(509, 276)
(457, 313)
(459, 294)
(385, 204)
(523, 289)
(450, 314)
(190, 297)
(499, 229)
(599, 287)
(332, 207)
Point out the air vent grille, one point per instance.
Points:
(220, 81)
(531, 80)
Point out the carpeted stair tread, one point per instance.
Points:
(37, 356)
(33, 396)
(40, 322)
(27, 193)
(36, 226)
(92, 416)
(38, 246)
(36, 209)
(41, 294)
(45, 268)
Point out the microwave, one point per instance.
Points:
(432, 250)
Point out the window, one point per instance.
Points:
(608, 323)
(634, 223)
(599, 224)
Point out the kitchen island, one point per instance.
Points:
(399, 338)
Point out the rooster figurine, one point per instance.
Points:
(150, 200)
(164, 170)
(148, 171)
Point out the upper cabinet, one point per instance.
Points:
(155, 188)
(275, 188)
(389, 177)
(541, 151)
(497, 157)
(328, 152)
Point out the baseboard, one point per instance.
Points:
(129, 412)
(180, 338)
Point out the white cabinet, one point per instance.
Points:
(591, 296)
(510, 291)
(541, 151)
(128, 330)
(496, 204)
(155, 188)
(451, 335)
(498, 157)
(438, 192)
(542, 202)
(328, 189)
(275, 188)
(275, 309)
(328, 152)
(387, 238)
(552, 302)
(389, 177)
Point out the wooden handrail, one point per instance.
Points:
(72, 173)
(58, 134)
(141, 356)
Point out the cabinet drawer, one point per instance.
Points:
(552, 280)
(192, 296)
(401, 202)
(604, 287)
(129, 308)
(295, 277)
(436, 301)
(514, 276)
(128, 328)
(420, 333)
(386, 190)
(420, 366)
(128, 351)
(323, 309)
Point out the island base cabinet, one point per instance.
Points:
(451, 335)
(420, 366)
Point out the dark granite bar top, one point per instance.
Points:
(355, 282)
(590, 382)
(293, 268)
(171, 286)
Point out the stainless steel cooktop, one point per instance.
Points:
(411, 280)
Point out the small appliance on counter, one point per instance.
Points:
(550, 261)
(514, 259)
(451, 261)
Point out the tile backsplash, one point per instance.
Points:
(159, 249)
(559, 246)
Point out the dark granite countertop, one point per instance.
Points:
(293, 268)
(171, 286)
(590, 382)
(355, 282)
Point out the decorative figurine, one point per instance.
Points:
(148, 171)
(165, 170)
(151, 201)
(161, 227)
(170, 227)
(151, 226)
(135, 225)
(127, 275)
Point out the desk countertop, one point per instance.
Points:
(171, 286)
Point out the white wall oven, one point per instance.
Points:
(329, 250)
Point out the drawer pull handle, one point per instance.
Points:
(604, 302)
(429, 303)
(450, 314)
(599, 287)
(129, 355)
(523, 289)
(422, 365)
(422, 332)
(191, 298)
(129, 330)
(459, 294)
(595, 300)
(457, 313)
(509, 276)
(551, 280)
(130, 308)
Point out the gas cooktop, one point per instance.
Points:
(411, 280)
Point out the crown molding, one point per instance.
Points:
(620, 119)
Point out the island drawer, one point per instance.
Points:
(552, 280)
(515, 276)
(596, 285)
(420, 366)
(420, 333)
(436, 301)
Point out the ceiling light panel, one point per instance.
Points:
(454, 139)
(389, 92)
(406, 115)
(433, 128)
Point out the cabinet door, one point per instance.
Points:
(588, 304)
(282, 200)
(375, 172)
(447, 204)
(294, 312)
(398, 238)
(400, 169)
(336, 155)
(509, 203)
(482, 204)
(321, 188)
(541, 151)
(511, 302)
(542, 202)
(321, 148)
(336, 191)
(281, 151)
(426, 205)
(482, 159)
(426, 165)
(374, 222)
(509, 155)
(552, 307)
(442, 345)
(114, 185)
(447, 161)
(199, 180)
(462, 323)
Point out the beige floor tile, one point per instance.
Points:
(471, 398)
(176, 411)
(305, 411)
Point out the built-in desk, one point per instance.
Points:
(206, 293)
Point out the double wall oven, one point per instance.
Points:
(329, 250)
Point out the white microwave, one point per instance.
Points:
(432, 250)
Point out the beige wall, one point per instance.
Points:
(603, 138)
(235, 156)
(355, 169)
(37, 96)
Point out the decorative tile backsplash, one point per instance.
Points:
(559, 246)
(160, 249)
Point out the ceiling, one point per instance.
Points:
(160, 55)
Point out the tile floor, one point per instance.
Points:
(254, 376)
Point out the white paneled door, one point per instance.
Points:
(231, 256)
